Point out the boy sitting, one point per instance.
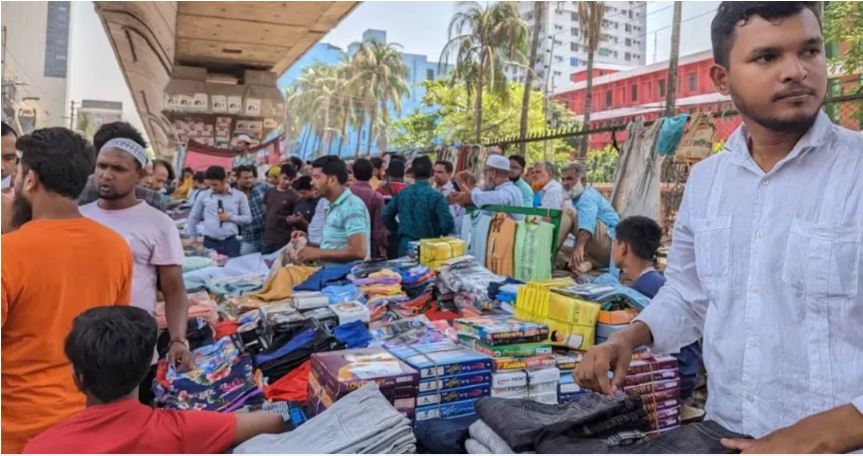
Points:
(110, 349)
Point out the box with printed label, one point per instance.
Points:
(455, 395)
(454, 381)
(523, 378)
(648, 377)
(503, 351)
(444, 411)
(438, 359)
(641, 366)
(525, 391)
(652, 387)
(548, 397)
(348, 370)
(534, 362)
(502, 330)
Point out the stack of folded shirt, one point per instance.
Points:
(362, 422)
(514, 344)
(285, 356)
(657, 381)
(466, 282)
(452, 378)
(417, 280)
(539, 385)
(335, 374)
(200, 305)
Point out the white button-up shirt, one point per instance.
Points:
(768, 268)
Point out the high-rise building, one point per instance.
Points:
(35, 55)
(92, 114)
(562, 48)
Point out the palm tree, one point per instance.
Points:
(379, 74)
(484, 40)
(539, 22)
(591, 15)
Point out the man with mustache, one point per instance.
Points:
(769, 275)
(55, 265)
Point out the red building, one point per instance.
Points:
(623, 96)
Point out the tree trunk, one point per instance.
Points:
(539, 14)
(359, 137)
(344, 132)
(372, 121)
(327, 133)
(479, 81)
(588, 104)
(671, 85)
(304, 141)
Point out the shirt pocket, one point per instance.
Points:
(823, 261)
(712, 248)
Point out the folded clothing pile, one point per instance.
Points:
(363, 421)
(337, 373)
(540, 385)
(657, 382)
(193, 263)
(221, 380)
(285, 356)
(514, 344)
(417, 280)
(466, 282)
(451, 377)
(200, 305)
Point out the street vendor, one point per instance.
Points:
(243, 157)
(347, 227)
(499, 189)
(590, 218)
(771, 282)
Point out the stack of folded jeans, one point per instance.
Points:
(361, 422)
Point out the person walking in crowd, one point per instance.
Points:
(755, 273)
(363, 171)
(421, 210)
(280, 203)
(377, 172)
(517, 167)
(298, 165)
(142, 190)
(347, 228)
(499, 188)
(252, 233)
(55, 265)
(223, 210)
(198, 186)
(157, 251)
(590, 218)
(109, 349)
(445, 185)
(549, 192)
(243, 157)
(304, 209)
(9, 165)
(395, 182)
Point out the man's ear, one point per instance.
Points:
(31, 181)
(719, 76)
(78, 378)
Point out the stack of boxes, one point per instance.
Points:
(657, 381)
(567, 360)
(523, 365)
(433, 252)
(336, 374)
(571, 320)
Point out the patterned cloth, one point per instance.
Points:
(244, 160)
(346, 216)
(422, 213)
(254, 232)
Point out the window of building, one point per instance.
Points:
(574, 16)
(630, 14)
(634, 92)
(608, 99)
(628, 27)
(573, 61)
(573, 31)
(604, 52)
(628, 42)
(558, 27)
(573, 47)
(615, 54)
(627, 56)
(662, 87)
(557, 73)
(693, 81)
(56, 40)
(430, 74)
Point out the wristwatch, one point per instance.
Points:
(181, 340)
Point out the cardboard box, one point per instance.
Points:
(454, 395)
(439, 359)
(503, 351)
(524, 378)
(451, 410)
(347, 370)
(533, 362)
(455, 381)
(502, 330)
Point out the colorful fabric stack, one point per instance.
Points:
(571, 320)
(464, 282)
(200, 305)
(221, 380)
(657, 381)
(336, 374)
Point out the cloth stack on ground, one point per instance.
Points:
(361, 422)
(657, 382)
(465, 282)
(337, 373)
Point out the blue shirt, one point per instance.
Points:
(649, 283)
(592, 207)
(526, 192)
(346, 216)
(206, 208)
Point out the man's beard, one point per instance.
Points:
(514, 179)
(22, 211)
(800, 124)
(112, 196)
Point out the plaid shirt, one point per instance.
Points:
(254, 232)
(91, 193)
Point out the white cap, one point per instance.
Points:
(498, 162)
(245, 139)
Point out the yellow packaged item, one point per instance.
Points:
(433, 252)
(571, 321)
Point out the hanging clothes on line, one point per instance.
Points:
(501, 245)
(637, 182)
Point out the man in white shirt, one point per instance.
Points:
(549, 192)
(767, 258)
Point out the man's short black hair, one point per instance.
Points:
(246, 169)
(111, 349)
(114, 130)
(216, 173)
(730, 14)
(423, 168)
(396, 168)
(198, 176)
(518, 159)
(165, 164)
(303, 183)
(288, 170)
(8, 130)
(332, 165)
(188, 170)
(641, 234)
(62, 159)
(363, 170)
(446, 165)
(297, 162)
(377, 162)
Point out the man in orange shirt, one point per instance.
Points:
(56, 265)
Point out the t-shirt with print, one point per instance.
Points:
(154, 240)
(127, 426)
(52, 271)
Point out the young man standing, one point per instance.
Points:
(422, 212)
(255, 192)
(223, 210)
(771, 282)
(374, 203)
(56, 265)
(157, 251)
(280, 202)
(395, 182)
(378, 173)
(347, 228)
(499, 189)
(243, 156)
(304, 209)
(516, 170)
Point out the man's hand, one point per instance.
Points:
(834, 431)
(181, 357)
(293, 219)
(460, 198)
(592, 372)
(577, 258)
(309, 254)
(225, 216)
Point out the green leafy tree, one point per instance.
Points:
(601, 164)
(843, 26)
(415, 131)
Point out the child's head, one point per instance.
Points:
(111, 349)
(637, 238)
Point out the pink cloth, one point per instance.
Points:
(200, 305)
(154, 240)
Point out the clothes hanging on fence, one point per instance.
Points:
(533, 241)
(670, 134)
(697, 142)
(637, 181)
(501, 243)
(474, 231)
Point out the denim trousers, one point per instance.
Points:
(523, 423)
(229, 247)
(443, 436)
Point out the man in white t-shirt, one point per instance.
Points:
(152, 236)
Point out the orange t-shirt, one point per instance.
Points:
(52, 270)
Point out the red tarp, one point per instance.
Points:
(199, 156)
